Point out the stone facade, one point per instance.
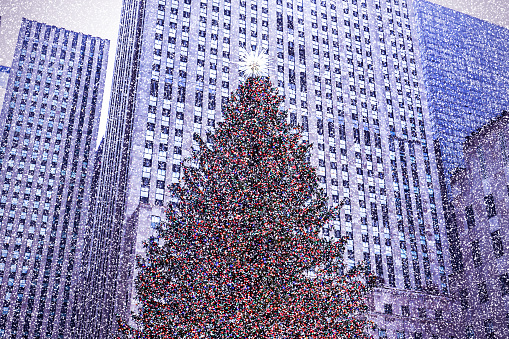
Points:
(481, 200)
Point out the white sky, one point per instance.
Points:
(101, 18)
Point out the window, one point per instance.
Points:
(405, 311)
(382, 334)
(470, 332)
(469, 213)
(155, 221)
(498, 247)
(476, 253)
(483, 292)
(489, 201)
(504, 283)
(400, 335)
(388, 308)
(488, 329)
(438, 314)
(464, 299)
(422, 312)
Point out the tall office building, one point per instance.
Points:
(465, 74)
(50, 120)
(466, 79)
(351, 74)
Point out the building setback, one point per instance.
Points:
(4, 76)
(50, 118)
(351, 74)
(480, 197)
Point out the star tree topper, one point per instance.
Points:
(253, 63)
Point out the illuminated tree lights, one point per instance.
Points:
(240, 255)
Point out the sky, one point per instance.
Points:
(101, 18)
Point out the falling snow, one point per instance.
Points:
(249, 145)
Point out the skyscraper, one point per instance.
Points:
(465, 74)
(50, 120)
(351, 74)
(466, 79)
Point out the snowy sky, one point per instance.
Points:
(101, 18)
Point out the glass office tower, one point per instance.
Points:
(465, 74)
(50, 119)
(351, 74)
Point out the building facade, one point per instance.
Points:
(465, 73)
(481, 200)
(4, 76)
(351, 75)
(50, 118)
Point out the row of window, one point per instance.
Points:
(329, 136)
(482, 291)
(405, 311)
(404, 130)
(498, 248)
(491, 211)
(65, 244)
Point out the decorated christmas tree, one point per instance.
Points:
(241, 253)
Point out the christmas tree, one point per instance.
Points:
(241, 254)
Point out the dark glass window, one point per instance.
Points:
(405, 311)
(490, 206)
(469, 213)
(498, 247)
(167, 90)
(305, 124)
(438, 314)
(464, 299)
(483, 292)
(476, 253)
(181, 94)
(153, 87)
(388, 308)
(504, 283)
(488, 329)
